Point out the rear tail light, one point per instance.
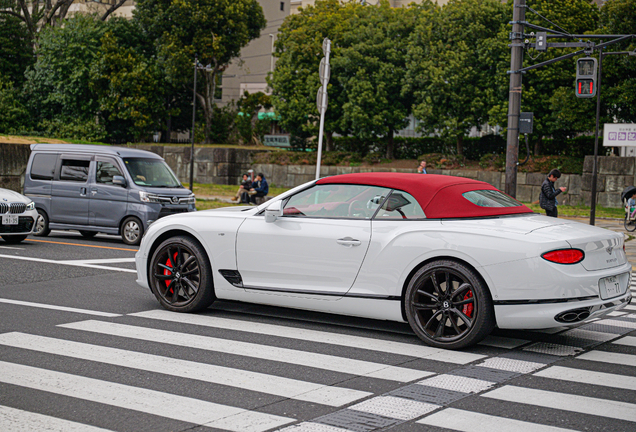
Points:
(564, 256)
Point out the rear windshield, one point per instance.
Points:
(491, 198)
(151, 172)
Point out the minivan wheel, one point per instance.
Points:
(88, 234)
(41, 225)
(131, 231)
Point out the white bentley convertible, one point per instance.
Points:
(453, 257)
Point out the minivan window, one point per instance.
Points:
(74, 170)
(151, 172)
(43, 166)
(105, 171)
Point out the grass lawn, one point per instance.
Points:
(583, 211)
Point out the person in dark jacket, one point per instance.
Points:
(547, 198)
(260, 188)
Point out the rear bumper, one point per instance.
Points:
(540, 316)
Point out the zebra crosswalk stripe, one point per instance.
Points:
(589, 377)
(567, 402)
(254, 381)
(12, 419)
(407, 349)
(627, 340)
(469, 421)
(609, 357)
(262, 352)
(139, 399)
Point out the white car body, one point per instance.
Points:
(17, 216)
(305, 263)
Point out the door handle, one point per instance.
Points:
(348, 242)
(93, 191)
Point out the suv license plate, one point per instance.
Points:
(10, 219)
(612, 286)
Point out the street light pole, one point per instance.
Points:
(194, 113)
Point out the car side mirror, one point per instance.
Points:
(119, 180)
(273, 211)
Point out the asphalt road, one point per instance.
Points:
(84, 348)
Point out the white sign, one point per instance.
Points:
(276, 140)
(619, 135)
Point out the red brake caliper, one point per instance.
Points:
(468, 307)
(167, 272)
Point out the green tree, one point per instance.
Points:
(295, 80)
(250, 127)
(548, 91)
(619, 71)
(15, 116)
(452, 63)
(36, 15)
(214, 30)
(16, 52)
(58, 85)
(371, 70)
(128, 89)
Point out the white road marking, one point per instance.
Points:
(567, 402)
(253, 381)
(589, 377)
(630, 307)
(412, 350)
(9, 247)
(12, 419)
(609, 357)
(627, 340)
(139, 399)
(617, 323)
(42, 260)
(511, 365)
(266, 352)
(60, 308)
(100, 261)
(469, 421)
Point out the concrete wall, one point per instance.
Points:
(13, 162)
(225, 166)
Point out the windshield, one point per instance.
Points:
(151, 172)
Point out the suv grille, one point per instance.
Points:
(12, 208)
(166, 211)
(25, 224)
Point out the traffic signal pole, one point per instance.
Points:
(514, 96)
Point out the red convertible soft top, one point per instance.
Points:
(439, 196)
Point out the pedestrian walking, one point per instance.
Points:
(547, 198)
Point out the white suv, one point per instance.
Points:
(17, 216)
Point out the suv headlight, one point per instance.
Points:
(30, 206)
(148, 197)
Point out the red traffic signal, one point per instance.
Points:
(585, 86)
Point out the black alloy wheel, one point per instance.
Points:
(448, 305)
(180, 275)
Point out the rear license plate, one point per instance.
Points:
(8, 219)
(612, 286)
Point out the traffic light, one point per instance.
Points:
(585, 77)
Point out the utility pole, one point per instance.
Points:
(514, 98)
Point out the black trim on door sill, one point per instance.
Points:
(545, 301)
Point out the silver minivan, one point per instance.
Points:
(93, 188)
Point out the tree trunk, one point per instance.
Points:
(329, 141)
(390, 145)
(460, 145)
(537, 146)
